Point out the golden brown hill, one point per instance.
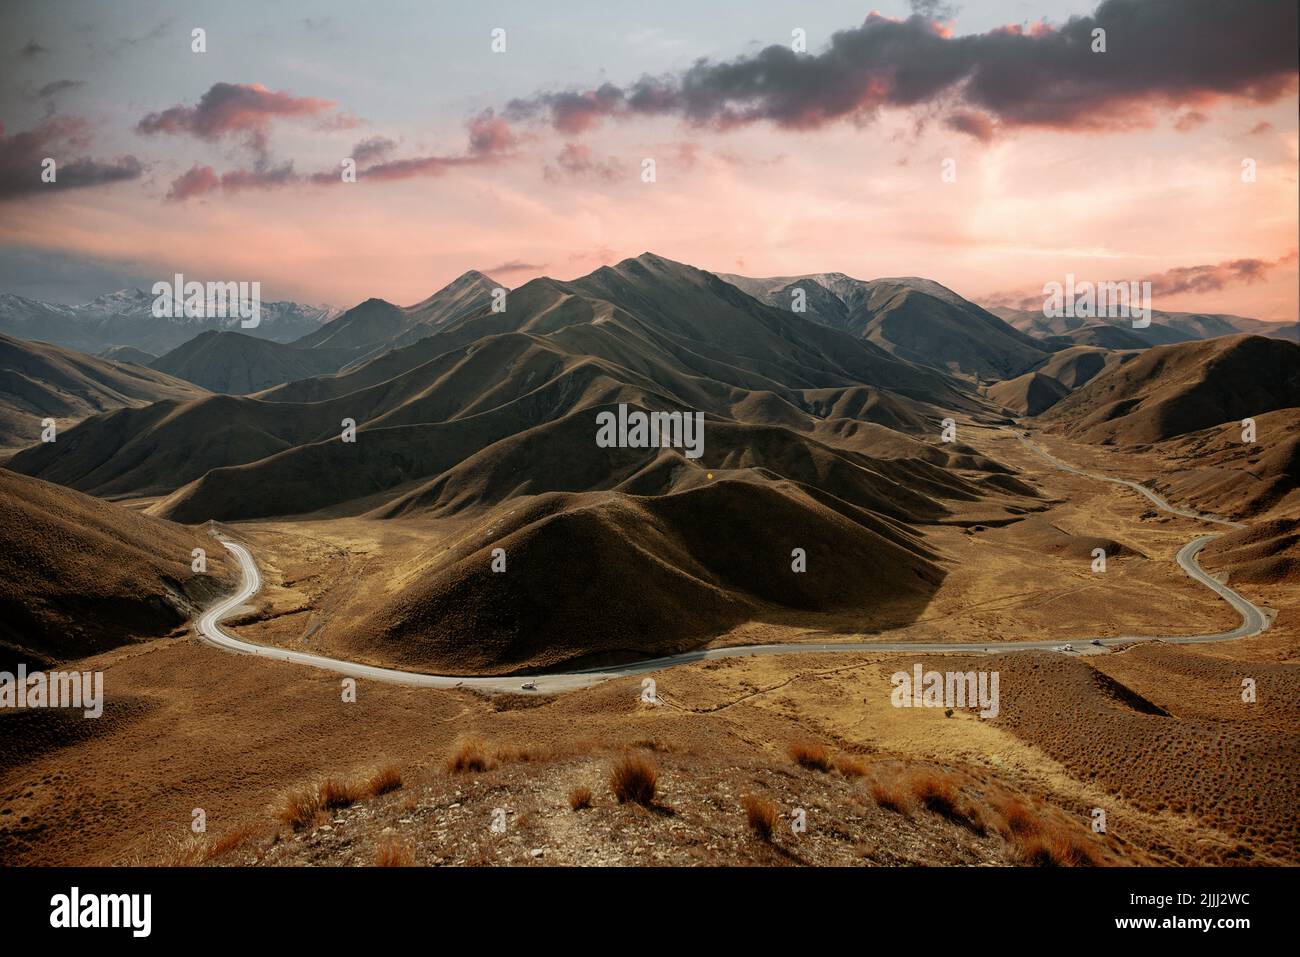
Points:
(1176, 389)
(1146, 725)
(1077, 365)
(1029, 394)
(79, 576)
(1266, 553)
(39, 380)
(1220, 473)
(658, 574)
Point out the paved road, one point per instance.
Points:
(209, 627)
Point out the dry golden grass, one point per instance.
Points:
(298, 808)
(1017, 818)
(938, 792)
(468, 754)
(850, 766)
(1055, 846)
(635, 778)
(761, 814)
(386, 779)
(810, 754)
(392, 853)
(189, 852)
(229, 841)
(580, 797)
(891, 797)
(335, 793)
(304, 806)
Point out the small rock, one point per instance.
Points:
(536, 852)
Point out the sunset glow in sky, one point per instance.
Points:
(225, 165)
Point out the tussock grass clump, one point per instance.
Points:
(190, 851)
(634, 778)
(298, 808)
(849, 766)
(1054, 846)
(227, 842)
(467, 754)
(1017, 819)
(761, 815)
(580, 798)
(810, 754)
(936, 791)
(386, 779)
(304, 806)
(889, 796)
(394, 854)
(335, 793)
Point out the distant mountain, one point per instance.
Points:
(128, 354)
(1289, 331)
(464, 294)
(915, 319)
(238, 364)
(374, 322)
(125, 318)
(1100, 335)
(812, 433)
(1168, 391)
(39, 380)
(376, 326)
(1165, 328)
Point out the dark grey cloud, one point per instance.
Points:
(235, 109)
(1160, 54)
(32, 49)
(201, 180)
(372, 149)
(1212, 278)
(59, 86)
(64, 140)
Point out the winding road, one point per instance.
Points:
(1253, 621)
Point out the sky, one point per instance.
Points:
(985, 145)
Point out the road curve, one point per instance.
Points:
(1253, 621)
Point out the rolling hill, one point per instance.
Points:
(39, 380)
(238, 364)
(914, 319)
(125, 318)
(490, 422)
(1166, 328)
(1173, 390)
(81, 576)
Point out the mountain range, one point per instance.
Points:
(125, 318)
(477, 408)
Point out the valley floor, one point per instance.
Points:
(1157, 736)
